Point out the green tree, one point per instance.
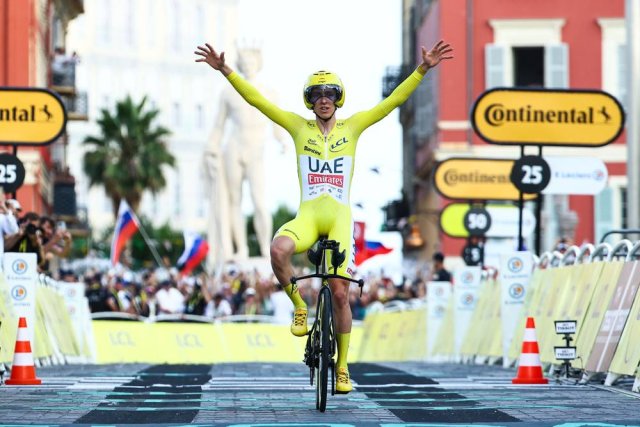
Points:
(169, 244)
(281, 216)
(128, 156)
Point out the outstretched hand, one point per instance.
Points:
(211, 57)
(437, 53)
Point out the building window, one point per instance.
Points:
(199, 117)
(527, 52)
(615, 66)
(200, 24)
(610, 208)
(177, 120)
(175, 34)
(129, 35)
(528, 66)
(176, 196)
(104, 26)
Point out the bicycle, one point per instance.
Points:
(320, 348)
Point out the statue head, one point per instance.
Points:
(249, 59)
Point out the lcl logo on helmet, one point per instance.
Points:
(19, 266)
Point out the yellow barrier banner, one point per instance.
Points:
(573, 301)
(475, 333)
(494, 325)
(627, 353)
(601, 299)
(138, 342)
(615, 318)
(444, 344)
(8, 326)
(41, 345)
(545, 327)
(538, 279)
(394, 336)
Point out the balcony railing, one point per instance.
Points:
(393, 77)
(77, 105)
(63, 72)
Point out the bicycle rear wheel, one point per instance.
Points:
(325, 319)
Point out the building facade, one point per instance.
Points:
(30, 33)
(145, 49)
(574, 44)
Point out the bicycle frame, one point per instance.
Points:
(321, 345)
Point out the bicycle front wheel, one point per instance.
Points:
(325, 319)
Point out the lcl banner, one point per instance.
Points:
(576, 175)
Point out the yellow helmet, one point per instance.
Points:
(323, 80)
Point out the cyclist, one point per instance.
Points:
(325, 151)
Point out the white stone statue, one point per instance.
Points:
(243, 154)
(218, 229)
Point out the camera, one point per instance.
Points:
(31, 229)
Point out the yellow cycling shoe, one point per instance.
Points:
(343, 383)
(299, 324)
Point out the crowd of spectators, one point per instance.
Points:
(29, 232)
(235, 292)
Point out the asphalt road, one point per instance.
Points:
(389, 394)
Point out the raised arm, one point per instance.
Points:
(215, 60)
(289, 121)
(433, 57)
(430, 58)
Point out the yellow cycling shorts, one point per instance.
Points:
(323, 216)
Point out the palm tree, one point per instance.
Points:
(127, 158)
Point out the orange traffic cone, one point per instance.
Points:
(529, 367)
(23, 371)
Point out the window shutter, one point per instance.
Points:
(494, 58)
(556, 66)
(623, 75)
(604, 220)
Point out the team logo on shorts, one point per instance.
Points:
(515, 265)
(516, 291)
(18, 292)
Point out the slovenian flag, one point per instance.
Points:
(195, 251)
(366, 249)
(126, 226)
(370, 249)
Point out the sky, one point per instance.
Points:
(358, 40)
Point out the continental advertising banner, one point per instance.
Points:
(547, 117)
(477, 179)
